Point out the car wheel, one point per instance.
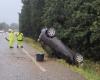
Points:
(50, 32)
(78, 59)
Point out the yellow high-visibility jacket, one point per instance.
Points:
(11, 36)
(20, 36)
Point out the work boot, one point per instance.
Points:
(21, 46)
(17, 46)
(11, 47)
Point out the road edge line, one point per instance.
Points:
(33, 59)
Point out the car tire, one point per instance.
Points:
(78, 59)
(51, 32)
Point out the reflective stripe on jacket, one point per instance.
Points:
(20, 36)
(11, 36)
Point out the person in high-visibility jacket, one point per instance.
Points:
(11, 38)
(19, 40)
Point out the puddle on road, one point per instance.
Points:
(22, 59)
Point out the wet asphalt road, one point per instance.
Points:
(20, 64)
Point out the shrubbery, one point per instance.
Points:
(77, 22)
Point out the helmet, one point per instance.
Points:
(10, 30)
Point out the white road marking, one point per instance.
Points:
(33, 59)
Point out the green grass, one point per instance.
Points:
(36, 45)
(90, 70)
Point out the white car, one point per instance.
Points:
(1, 31)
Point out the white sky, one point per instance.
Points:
(9, 10)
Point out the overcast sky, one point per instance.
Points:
(9, 10)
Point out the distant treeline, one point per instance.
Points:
(4, 26)
(77, 22)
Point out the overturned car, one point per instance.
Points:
(47, 37)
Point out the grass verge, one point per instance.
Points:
(34, 44)
(90, 70)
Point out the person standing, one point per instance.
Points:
(11, 38)
(19, 40)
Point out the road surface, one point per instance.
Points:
(20, 64)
